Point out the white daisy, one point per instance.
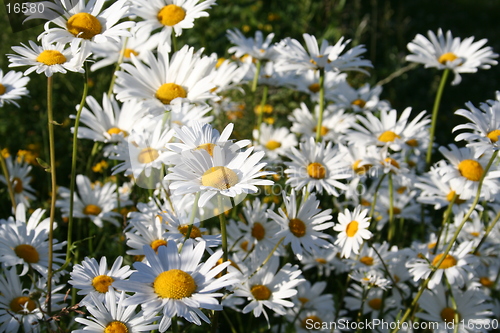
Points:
(177, 284)
(95, 202)
(274, 141)
(95, 279)
(12, 87)
(150, 233)
(446, 52)
(372, 303)
(325, 260)
(187, 114)
(161, 80)
(353, 228)
(257, 48)
(308, 82)
(79, 21)
(20, 180)
(365, 98)
(49, 58)
(311, 297)
(113, 316)
(302, 225)
(317, 166)
(170, 15)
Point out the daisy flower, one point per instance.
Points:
(293, 56)
(49, 58)
(365, 98)
(161, 80)
(12, 87)
(308, 82)
(325, 260)
(318, 166)
(170, 15)
(437, 306)
(465, 172)
(274, 141)
(485, 127)
(111, 315)
(257, 48)
(95, 280)
(302, 225)
(270, 287)
(149, 233)
(218, 174)
(79, 21)
(372, 303)
(187, 114)
(353, 228)
(311, 297)
(456, 266)
(177, 284)
(20, 180)
(445, 52)
(95, 202)
(109, 122)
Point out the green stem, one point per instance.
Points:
(453, 306)
(222, 220)
(423, 286)
(5, 172)
(435, 111)
(486, 234)
(321, 103)
(191, 218)
(258, 66)
(267, 258)
(446, 216)
(261, 111)
(374, 201)
(117, 67)
(391, 209)
(50, 121)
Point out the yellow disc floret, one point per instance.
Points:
(128, 52)
(116, 327)
(209, 147)
(359, 102)
(368, 261)
(273, 144)
(316, 170)
(449, 261)
(84, 25)
(493, 135)
(448, 314)
(18, 185)
(174, 284)
(28, 253)
(258, 231)
(297, 227)
(195, 231)
(101, 283)
(171, 14)
(260, 292)
(375, 303)
(446, 57)
(352, 229)
(19, 304)
(92, 210)
(219, 177)
(2, 89)
(170, 91)
(388, 136)
(470, 169)
(157, 243)
(51, 57)
(147, 155)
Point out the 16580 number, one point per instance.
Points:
(25, 8)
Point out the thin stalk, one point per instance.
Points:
(258, 66)
(435, 111)
(117, 67)
(191, 217)
(454, 306)
(267, 258)
(261, 111)
(321, 103)
(5, 172)
(446, 216)
(487, 232)
(360, 311)
(391, 209)
(423, 286)
(50, 123)
(222, 220)
(374, 201)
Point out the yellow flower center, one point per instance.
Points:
(128, 52)
(368, 261)
(474, 234)
(392, 162)
(375, 303)
(174, 284)
(388, 136)
(361, 170)
(309, 322)
(171, 14)
(28, 253)
(412, 143)
(101, 283)
(297, 227)
(272, 145)
(448, 314)
(18, 304)
(18, 185)
(157, 243)
(147, 155)
(51, 57)
(352, 228)
(449, 261)
(450, 196)
(359, 102)
(316, 170)
(323, 131)
(116, 327)
(84, 25)
(321, 260)
(267, 109)
(2, 89)
(260, 292)
(219, 177)
(485, 281)
(314, 88)
(493, 135)
(244, 246)
(116, 130)
(92, 210)
(170, 91)
(449, 56)
(195, 231)
(303, 300)
(470, 169)
(395, 210)
(258, 231)
(209, 147)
